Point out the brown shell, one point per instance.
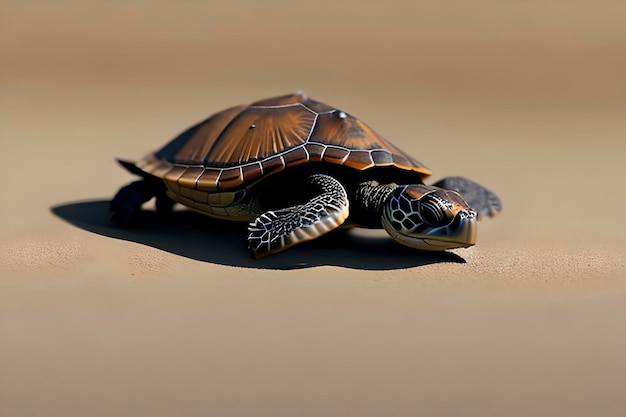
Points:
(242, 144)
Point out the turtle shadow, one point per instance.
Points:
(201, 238)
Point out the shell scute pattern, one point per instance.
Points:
(335, 155)
(240, 145)
(315, 151)
(190, 177)
(359, 160)
(252, 172)
(261, 132)
(207, 179)
(175, 173)
(202, 137)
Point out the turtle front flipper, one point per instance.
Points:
(277, 230)
(482, 200)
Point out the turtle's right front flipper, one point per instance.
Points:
(277, 230)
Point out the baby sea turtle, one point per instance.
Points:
(296, 168)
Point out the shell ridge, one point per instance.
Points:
(278, 106)
(308, 137)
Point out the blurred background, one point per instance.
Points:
(525, 97)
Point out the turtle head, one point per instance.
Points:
(429, 218)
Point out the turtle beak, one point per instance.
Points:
(462, 233)
(469, 228)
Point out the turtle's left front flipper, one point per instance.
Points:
(482, 200)
(277, 230)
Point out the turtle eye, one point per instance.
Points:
(436, 212)
(430, 214)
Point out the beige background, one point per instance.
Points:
(177, 319)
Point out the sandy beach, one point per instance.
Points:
(178, 318)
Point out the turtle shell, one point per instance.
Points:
(243, 144)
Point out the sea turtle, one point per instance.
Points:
(295, 169)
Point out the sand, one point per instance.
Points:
(177, 318)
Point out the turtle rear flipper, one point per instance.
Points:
(277, 230)
(125, 207)
(482, 200)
